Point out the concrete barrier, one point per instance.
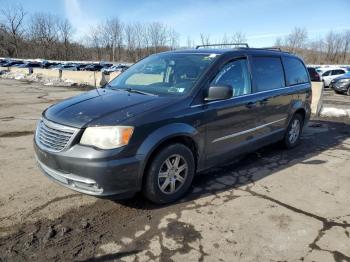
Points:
(86, 77)
(81, 77)
(46, 72)
(317, 98)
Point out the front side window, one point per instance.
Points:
(236, 75)
(327, 73)
(295, 71)
(268, 73)
(168, 74)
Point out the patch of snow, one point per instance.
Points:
(335, 112)
(47, 81)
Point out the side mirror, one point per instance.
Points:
(221, 92)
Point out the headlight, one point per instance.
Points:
(107, 137)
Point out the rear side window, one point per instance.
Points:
(338, 72)
(268, 73)
(295, 71)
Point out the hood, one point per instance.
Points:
(92, 107)
(345, 76)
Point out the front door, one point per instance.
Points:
(230, 122)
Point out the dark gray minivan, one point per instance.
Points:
(170, 116)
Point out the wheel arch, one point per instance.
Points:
(164, 136)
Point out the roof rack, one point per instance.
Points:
(270, 48)
(233, 44)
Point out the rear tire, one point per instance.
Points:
(293, 132)
(348, 92)
(170, 174)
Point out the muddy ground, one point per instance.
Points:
(271, 205)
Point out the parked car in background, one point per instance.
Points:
(329, 75)
(93, 67)
(30, 65)
(152, 132)
(13, 63)
(115, 68)
(47, 64)
(341, 84)
(314, 76)
(68, 67)
(3, 61)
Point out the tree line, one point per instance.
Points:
(46, 36)
(43, 35)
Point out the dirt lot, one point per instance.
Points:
(272, 205)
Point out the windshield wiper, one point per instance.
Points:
(131, 90)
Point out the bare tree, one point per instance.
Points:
(173, 37)
(158, 34)
(130, 42)
(296, 40)
(238, 37)
(205, 39)
(278, 42)
(95, 41)
(190, 42)
(346, 45)
(44, 31)
(114, 30)
(12, 19)
(65, 34)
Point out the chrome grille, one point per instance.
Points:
(54, 137)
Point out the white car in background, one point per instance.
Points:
(328, 75)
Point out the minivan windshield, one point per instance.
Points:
(172, 74)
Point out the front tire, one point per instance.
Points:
(170, 174)
(348, 91)
(294, 130)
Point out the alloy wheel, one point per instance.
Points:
(172, 174)
(294, 131)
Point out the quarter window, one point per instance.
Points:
(268, 73)
(295, 71)
(236, 75)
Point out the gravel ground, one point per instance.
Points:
(271, 205)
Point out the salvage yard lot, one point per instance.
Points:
(271, 205)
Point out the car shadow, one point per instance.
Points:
(319, 136)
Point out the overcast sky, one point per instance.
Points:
(260, 20)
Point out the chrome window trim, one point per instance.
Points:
(246, 131)
(251, 94)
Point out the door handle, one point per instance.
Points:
(264, 101)
(251, 104)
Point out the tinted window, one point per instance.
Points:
(327, 73)
(311, 70)
(268, 73)
(295, 71)
(338, 72)
(236, 75)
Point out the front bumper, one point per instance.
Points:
(91, 171)
(340, 88)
